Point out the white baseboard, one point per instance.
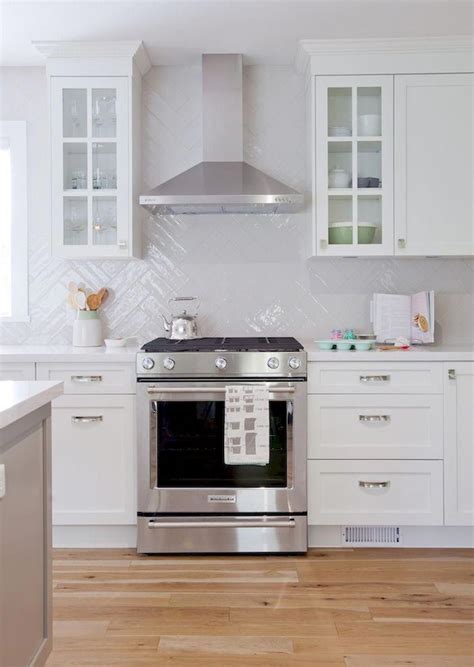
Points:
(412, 536)
(94, 537)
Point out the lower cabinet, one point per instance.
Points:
(94, 460)
(11, 370)
(459, 444)
(407, 493)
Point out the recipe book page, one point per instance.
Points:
(392, 315)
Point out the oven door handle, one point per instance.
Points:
(242, 523)
(210, 390)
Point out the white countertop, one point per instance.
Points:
(18, 399)
(61, 353)
(415, 353)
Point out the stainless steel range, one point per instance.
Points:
(189, 499)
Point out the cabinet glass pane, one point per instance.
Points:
(369, 112)
(104, 115)
(339, 112)
(369, 215)
(75, 221)
(104, 220)
(104, 166)
(339, 164)
(74, 112)
(74, 166)
(369, 164)
(340, 220)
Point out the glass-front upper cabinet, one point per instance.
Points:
(91, 166)
(354, 165)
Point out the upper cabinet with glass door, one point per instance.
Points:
(353, 166)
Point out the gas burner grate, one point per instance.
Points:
(262, 344)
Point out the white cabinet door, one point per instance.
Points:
(91, 167)
(459, 444)
(17, 371)
(434, 164)
(354, 165)
(94, 460)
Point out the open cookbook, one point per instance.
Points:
(400, 316)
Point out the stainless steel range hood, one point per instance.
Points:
(222, 182)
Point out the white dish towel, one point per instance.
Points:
(247, 430)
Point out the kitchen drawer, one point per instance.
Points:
(93, 460)
(375, 427)
(410, 493)
(17, 370)
(82, 378)
(376, 378)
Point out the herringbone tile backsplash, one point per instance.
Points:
(252, 273)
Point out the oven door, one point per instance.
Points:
(181, 465)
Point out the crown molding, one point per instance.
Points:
(134, 50)
(392, 46)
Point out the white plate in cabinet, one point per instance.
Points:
(407, 493)
(110, 378)
(377, 378)
(93, 460)
(17, 371)
(375, 427)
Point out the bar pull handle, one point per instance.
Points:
(79, 419)
(210, 390)
(253, 523)
(86, 378)
(374, 485)
(374, 378)
(374, 418)
(452, 374)
(402, 243)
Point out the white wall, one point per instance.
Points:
(251, 272)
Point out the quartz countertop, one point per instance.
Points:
(18, 399)
(65, 353)
(415, 353)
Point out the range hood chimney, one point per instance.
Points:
(223, 182)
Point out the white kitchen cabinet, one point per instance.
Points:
(434, 171)
(459, 444)
(353, 165)
(94, 460)
(11, 370)
(90, 378)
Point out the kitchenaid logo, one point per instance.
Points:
(221, 499)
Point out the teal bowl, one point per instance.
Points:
(344, 345)
(325, 344)
(363, 345)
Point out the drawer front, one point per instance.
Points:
(376, 378)
(17, 371)
(111, 378)
(93, 460)
(407, 493)
(375, 427)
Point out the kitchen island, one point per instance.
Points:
(25, 521)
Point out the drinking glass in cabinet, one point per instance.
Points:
(74, 112)
(74, 166)
(369, 164)
(104, 114)
(369, 112)
(339, 112)
(104, 220)
(369, 220)
(75, 220)
(340, 164)
(104, 166)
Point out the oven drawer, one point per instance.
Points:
(407, 493)
(87, 378)
(376, 378)
(375, 427)
(223, 534)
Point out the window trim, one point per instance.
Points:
(15, 132)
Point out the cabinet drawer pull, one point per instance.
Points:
(86, 420)
(374, 485)
(374, 378)
(86, 378)
(374, 418)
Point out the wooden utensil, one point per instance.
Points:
(93, 301)
(71, 300)
(72, 287)
(103, 293)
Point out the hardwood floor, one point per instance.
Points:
(333, 608)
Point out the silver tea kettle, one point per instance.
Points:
(182, 326)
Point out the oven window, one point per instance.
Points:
(190, 447)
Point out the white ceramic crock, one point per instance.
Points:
(87, 329)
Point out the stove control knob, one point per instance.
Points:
(294, 362)
(169, 363)
(273, 363)
(221, 363)
(148, 363)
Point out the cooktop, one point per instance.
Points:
(258, 344)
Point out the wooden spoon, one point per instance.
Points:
(93, 301)
(71, 300)
(72, 287)
(103, 293)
